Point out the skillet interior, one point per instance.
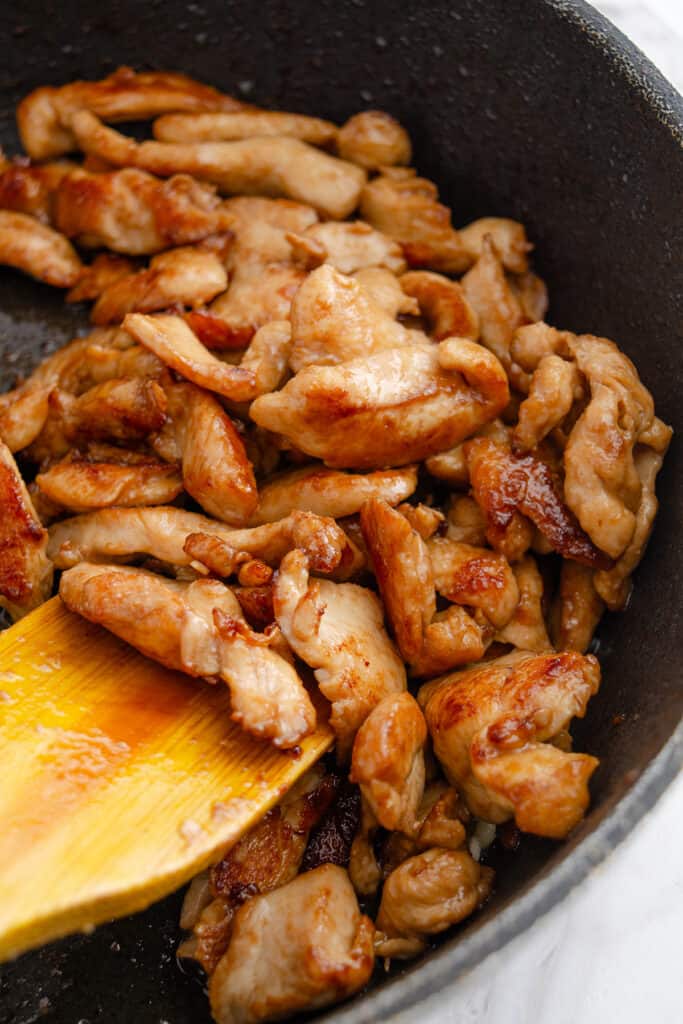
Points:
(534, 109)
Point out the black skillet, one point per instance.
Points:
(535, 109)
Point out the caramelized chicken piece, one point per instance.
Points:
(508, 237)
(135, 213)
(451, 466)
(508, 487)
(390, 408)
(187, 276)
(577, 608)
(80, 482)
(526, 629)
(30, 188)
(299, 948)
(466, 522)
(36, 249)
(125, 95)
(490, 725)
(354, 245)
(96, 278)
(424, 519)
(215, 467)
(337, 629)
(172, 341)
(25, 569)
(250, 123)
(441, 819)
(267, 356)
(274, 166)
(329, 492)
(388, 760)
(334, 319)
(364, 870)
(443, 304)
(424, 896)
(554, 388)
(476, 577)
(197, 628)
(374, 139)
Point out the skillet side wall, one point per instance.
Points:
(517, 108)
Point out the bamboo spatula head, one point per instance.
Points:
(120, 778)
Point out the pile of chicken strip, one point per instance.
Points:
(319, 436)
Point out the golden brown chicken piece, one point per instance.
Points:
(385, 290)
(509, 487)
(81, 482)
(531, 293)
(526, 629)
(197, 628)
(329, 492)
(30, 188)
(267, 355)
(249, 123)
(38, 250)
(425, 895)
(508, 237)
(334, 319)
(299, 948)
(424, 519)
(25, 569)
(125, 95)
(187, 276)
(466, 522)
(131, 212)
(451, 466)
(338, 629)
(490, 725)
(476, 577)
(443, 305)
(354, 245)
(388, 760)
(390, 408)
(96, 278)
(374, 139)
(274, 166)
(176, 345)
(577, 608)
(555, 386)
(215, 467)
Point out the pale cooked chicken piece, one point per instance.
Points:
(187, 276)
(490, 725)
(299, 948)
(555, 386)
(80, 482)
(197, 628)
(466, 522)
(441, 819)
(425, 895)
(364, 869)
(508, 236)
(577, 608)
(443, 304)
(174, 342)
(224, 126)
(526, 629)
(25, 569)
(355, 245)
(510, 487)
(30, 188)
(388, 760)
(131, 212)
(338, 629)
(374, 139)
(384, 289)
(125, 95)
(531, 293)
(38, 250)
(163, 533)
(105, 270)
(123, 410)
(329, 492)
(475, 577)
(334, 319)
(614, 585)
(273, 166)
(267, 355)
(390, 408)
(500, 313)
(215, 467)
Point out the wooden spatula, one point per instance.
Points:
(119, 779)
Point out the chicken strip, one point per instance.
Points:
(105, 270)
(508, 236)
(451, 466)
(374, 139)
(526, 630)
(28, 245)
(531, 293)
(125, 95)
(385, 290)
(443, 304)
(30, 188)
(490, 725)
(273, 166)
(329, 492)
(215, 467)
(476, 577)
(131, 212)
(188, 276)
(249, 123)
(267, 356)
(80, 483)
(577, 608)
(25, 569)
(554, 388)
(388, 760)
(299, 948)
(466, 522)
(354, 245)
(388, 409)
(338, 629)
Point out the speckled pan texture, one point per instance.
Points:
(533, 109)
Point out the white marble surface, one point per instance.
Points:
(611, 952)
